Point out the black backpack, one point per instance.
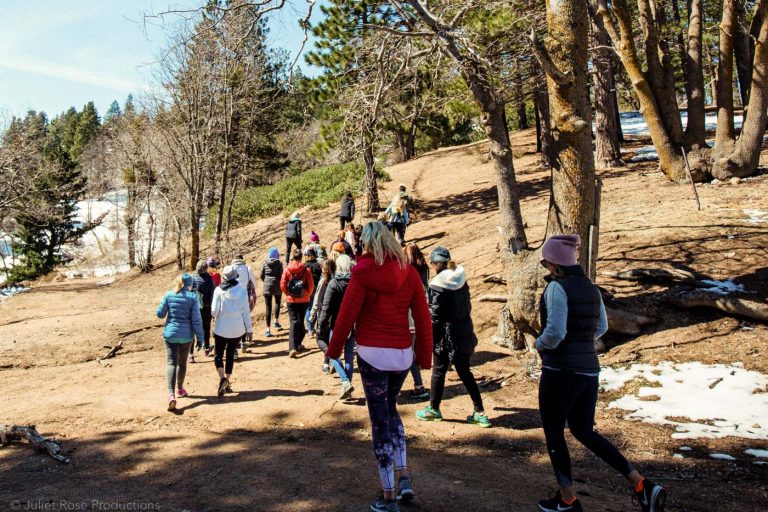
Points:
(296, 285)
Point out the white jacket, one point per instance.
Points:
(244, 274)
(230, 309)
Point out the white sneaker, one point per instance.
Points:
(346, 390)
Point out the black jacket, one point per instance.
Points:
(205, 285)
(451, 308)
(316, 270)
(271, 272)
(293, 229)
(347, 208)
(334, 294)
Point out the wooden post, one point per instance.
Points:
(690, 177)
(594, 232)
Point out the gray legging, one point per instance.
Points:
(177, 364)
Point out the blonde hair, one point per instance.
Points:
(179, 285)
(344, 264)
(380, 242)
(442, 265)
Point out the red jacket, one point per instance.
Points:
(300, 271)
(376, 304)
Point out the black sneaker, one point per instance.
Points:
(556, 504)
(404, 489)
(223, 385)
(382, 505)
(652, 498)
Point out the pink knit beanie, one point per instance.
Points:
(314, 237)
(562, 250)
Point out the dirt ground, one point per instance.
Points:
(283, 442)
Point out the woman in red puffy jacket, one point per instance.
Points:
(382, 289)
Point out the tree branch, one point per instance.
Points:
(549, 67)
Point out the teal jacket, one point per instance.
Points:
(182, 316)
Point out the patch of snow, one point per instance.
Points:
(760, 463)
(723, 287)
(698, 400)
(721, 456)
(685, 449)
(755, 216)
(632, 123)
(762, 454)
(678, 456)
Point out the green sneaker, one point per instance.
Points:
(429, 414)
(480, 419)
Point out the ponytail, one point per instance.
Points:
(451, 264)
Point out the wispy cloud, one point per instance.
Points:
(71, 73)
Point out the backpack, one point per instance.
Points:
(296, 285)
(251, 291)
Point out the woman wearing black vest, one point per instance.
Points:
(572, 317)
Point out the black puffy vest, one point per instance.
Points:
(577, 351)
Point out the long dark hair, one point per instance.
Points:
(414, 256)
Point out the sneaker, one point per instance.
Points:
(382, 505)
(228, 389)
(182, 393)
(418, 394)
(301, 348)
(191, 358)
(223, 384)
(326, 369)
(267, 334)
(277, 325)
(171, 402)
(292, 354)
(346, 390)
(235, 356)
(207, 352)
(480, 419)
(404, 489)
(556, 504)
(429, 414)
(652, 497)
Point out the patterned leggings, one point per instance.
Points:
(381, 390)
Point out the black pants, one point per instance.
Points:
(569, 396)
(206, 314)
(398, 229)
(290, 242)
(268, 301)
(228, 346)
(343, 221)
(297, 331)
(440, 365)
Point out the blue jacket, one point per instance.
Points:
(182, 316)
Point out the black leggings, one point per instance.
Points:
(440, 367)
(297, 330)
(290, 242)
(228, 345)
(569, 396)
(344, 220)
(268, 301)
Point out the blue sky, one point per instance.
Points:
(60, 53)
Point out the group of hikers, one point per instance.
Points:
(370, 294)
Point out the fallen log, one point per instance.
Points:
(10, 433)
(626, 322)
(659, 274)
(729, 305)
(123, 334)
(495, 280)
(493, 298)
(112, 351)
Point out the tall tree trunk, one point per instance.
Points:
(194, 220)
(233, 195)
(694, 77)
(607, 149)
(371, 186)
(615, 94)
(129, 219)
(742, 51)
(544, 128)
(743, 159)
(222, 201)
(726, 134)
(522, 115)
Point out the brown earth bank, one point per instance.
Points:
(283, 443)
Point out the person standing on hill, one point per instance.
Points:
(183, 323)
(292, 235)
(205, 287)
(247, 279)
(233, 323)
(453, 334)
(213, 270)
(381, 291)
(271, 273)
(332, 300)
(310, 261)
(347, 212)
(572, 318)
(297, 284)
(397, 214)
(415, 258)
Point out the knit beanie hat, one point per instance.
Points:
(273, 253)
(229, 273)
(187, 279)
(439, 254)
(314, 237)
(212, 262)
(202, 267)
(562, 250)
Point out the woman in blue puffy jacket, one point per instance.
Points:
(183, 324)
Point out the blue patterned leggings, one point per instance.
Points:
(381, 390)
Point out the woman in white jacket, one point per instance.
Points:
(233, 321)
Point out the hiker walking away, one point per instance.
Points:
(205, 287)
(233, 322)
(397, 218)
(347, 212)
(341, 238)
(349, 236)
(297, 285)
(271, 273)
(183, 323)
(453, 334)
(381, 290)
(213, 270)
(247, 279)
(292, 234)
(310, 261)
(415, 258)
(314, 243)
(327, 319)
(329, 270)
(572, 317)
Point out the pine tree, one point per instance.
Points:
(88, 127)
(112, 113)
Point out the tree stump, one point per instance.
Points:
(10, 433)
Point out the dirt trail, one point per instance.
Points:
(283, 443)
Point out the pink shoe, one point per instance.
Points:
(171, 402)
(182, 393)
